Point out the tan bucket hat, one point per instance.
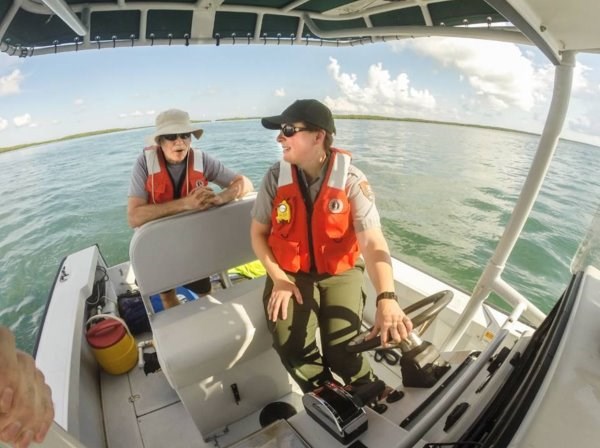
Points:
(174, 121)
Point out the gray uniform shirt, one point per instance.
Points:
(362, 203)
(214, 171)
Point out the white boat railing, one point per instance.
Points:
(490, 279)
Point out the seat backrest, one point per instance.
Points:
(173, 251)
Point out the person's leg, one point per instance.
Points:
(200, 287)
(169, 299)
(294, 338)
(342, 305)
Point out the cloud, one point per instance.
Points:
(6, 60)
(78, 102)
(22, 120)
(584, 122)
(11, 84)
(137, 113)
(380, 94)
(280, 92)
(500, 73)
(3, 124)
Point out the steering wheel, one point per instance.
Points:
(435, 303)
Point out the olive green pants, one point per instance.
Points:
(333, 305)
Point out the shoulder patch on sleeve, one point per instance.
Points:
(367, 191)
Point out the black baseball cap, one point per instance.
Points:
(309, 111)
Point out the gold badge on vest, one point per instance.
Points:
(284, 214)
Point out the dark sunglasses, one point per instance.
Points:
(289, 130)
(173, 137)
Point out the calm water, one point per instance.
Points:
(444, 193)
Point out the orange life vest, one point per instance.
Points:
(334, 243)
(159, 184)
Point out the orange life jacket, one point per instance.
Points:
(334, 243)
(159, 184)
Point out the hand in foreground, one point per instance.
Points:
(26, 410)
(283, 290)
(390, 323)
(200, 198)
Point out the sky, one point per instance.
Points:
(458, 80)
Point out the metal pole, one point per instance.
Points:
(563, 79)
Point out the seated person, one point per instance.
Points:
(170, 177)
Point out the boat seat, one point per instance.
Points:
(216, 352)
(183, 248)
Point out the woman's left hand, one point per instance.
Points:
(390, 323)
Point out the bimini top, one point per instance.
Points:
(34, 27)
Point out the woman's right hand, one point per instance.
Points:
(282, 291)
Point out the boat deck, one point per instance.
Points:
(143, 411)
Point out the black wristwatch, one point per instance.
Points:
(386, 295)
